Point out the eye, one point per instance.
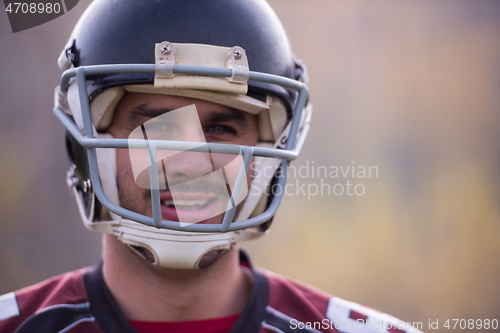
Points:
(159, 127)
(221, 129)
(160, 130)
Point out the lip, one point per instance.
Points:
(207, 214)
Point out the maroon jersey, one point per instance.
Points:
(80, 302)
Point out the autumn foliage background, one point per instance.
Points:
(411, 87)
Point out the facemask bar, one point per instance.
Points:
(290, 153)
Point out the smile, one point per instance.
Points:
(188, 204)
(192, 207)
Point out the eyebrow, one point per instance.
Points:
(143, 111)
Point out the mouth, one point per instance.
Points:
(192, 208)
(188, 204)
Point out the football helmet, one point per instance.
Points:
(233, 53)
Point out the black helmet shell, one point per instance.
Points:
(125, 32)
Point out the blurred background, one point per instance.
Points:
(409, 87)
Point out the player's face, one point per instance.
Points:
(194, 186)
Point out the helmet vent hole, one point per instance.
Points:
(144, 252)
(209, 258)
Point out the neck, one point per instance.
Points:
(151, 293)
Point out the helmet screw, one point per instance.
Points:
(87, 186)
(75, 181)
(165, 50)
(237, 54)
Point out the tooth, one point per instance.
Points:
(190, 202)
(201, 202)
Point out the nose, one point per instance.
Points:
(173, 167)
(181, 166)
(185, 166)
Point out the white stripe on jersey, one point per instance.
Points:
(8, 306)
(68, 306)
(339, 311)
(89, 319)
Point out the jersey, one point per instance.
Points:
(80, 302)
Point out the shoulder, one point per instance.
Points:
(304, 307)
(60, 297)
(294, 298)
